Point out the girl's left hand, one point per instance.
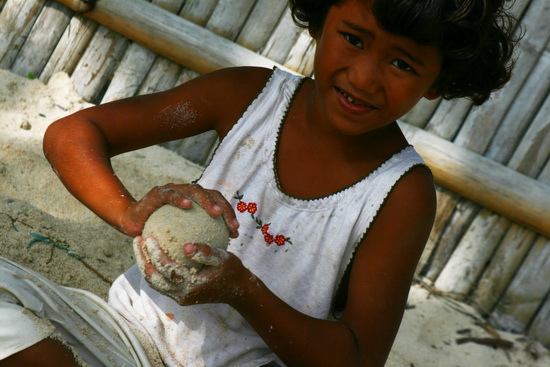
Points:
(221, 280)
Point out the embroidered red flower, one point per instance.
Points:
(241, 206)
(280, 240)
(252, 208)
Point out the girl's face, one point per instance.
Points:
(366, 77)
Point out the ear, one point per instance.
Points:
(432, 94)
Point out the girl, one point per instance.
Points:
(328, 206)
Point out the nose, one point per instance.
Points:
(364, 74)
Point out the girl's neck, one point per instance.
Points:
(313, 161)
(379, 143)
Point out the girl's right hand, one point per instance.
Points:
(182, 196)
(222, 279)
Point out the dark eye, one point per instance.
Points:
(353, 40)
(400, 64)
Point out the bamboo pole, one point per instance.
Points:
(136, 63)
(479, 179)
(170, 35)
(42, 39)
(496, 187)
(16, 20)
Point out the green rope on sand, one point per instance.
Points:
(49, 241)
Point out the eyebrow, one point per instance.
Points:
(401, 50)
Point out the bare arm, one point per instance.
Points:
(79, 146)
(381, 276)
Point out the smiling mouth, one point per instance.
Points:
(353, 101)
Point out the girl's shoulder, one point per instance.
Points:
(245, 79)
(226, 93)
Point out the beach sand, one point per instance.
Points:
(44, 228)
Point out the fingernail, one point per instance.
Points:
(235, 223)
(217, 208)
(189, 248)
(186, 203)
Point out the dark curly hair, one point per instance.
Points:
(475, 37)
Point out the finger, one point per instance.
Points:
(157, 197)
(149, 272)
(173, 194)
(205, 254)
(185, 196)
(212, 201)
(164, 264)
(142, 258)
(228, 213)
(204, 199)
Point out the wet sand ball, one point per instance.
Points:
(173, 227)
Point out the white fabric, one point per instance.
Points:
(320, 238)
(32, 308)
(19, 329)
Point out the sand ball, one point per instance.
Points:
(173, 227)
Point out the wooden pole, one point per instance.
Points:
(484, 181)
(475, 177)
(170, 35)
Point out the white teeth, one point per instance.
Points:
(351, 100)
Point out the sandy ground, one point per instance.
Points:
(44, 228)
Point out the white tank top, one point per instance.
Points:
(300, 248)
